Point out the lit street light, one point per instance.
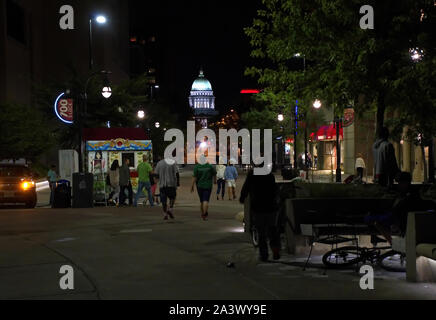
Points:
(106, 92)
(157, 125)
(141, 114)
(416, 54)
(101, 19)
(317, 104)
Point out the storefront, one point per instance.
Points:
(325, 151)
(104, 146)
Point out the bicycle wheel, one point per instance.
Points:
(393, 261)
(255, 237)
(342, 257)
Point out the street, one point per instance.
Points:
(132, 253)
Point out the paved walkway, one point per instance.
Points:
(131, 253)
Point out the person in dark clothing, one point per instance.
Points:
(394, 222)
(125, 183)
(385, 162)
(262, 191)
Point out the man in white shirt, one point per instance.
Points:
(221, 181)
(360, 166)
(168, 175)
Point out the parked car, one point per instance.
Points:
(17, 185)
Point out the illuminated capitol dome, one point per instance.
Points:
(202, 100)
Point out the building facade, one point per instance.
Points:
(202, 100)
(34, 49)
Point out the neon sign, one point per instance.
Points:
(64, 109)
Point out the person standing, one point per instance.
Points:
(231, 175)
(385, 162)
(125, 183)
(262, 191)
(204, 178)
(144, 169)
(167, 173)
(220, 175)
(360, 166)
(154, 184)
(52, 179)
(114, 178)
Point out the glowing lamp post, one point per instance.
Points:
(106, 92)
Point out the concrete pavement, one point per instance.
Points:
(132, 253)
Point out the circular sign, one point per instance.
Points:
(64, 109)
(348, 117)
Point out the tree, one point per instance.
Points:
(345, 64)
(24, 132)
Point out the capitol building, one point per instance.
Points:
(202, 100)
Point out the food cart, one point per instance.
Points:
(104, 146)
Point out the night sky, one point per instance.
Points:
(194, 34)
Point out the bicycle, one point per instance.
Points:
(344, 257)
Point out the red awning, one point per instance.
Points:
(104, 134)
(328, 133)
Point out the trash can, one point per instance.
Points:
(83, 190)
(288, 173)
(62, 195)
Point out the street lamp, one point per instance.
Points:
(416, 54)
(106, 92)
(100, 19)
(141, 115)
(157, 125)
(317, 104)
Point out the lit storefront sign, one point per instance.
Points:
(64, 109)
(119, 145)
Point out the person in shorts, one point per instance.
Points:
(167, 173)
(231, 175)
(204, 178)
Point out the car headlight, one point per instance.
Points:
(27, 185)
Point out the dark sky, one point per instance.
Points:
(191, 34)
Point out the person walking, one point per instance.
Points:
(262, 191)
(385, 162)
(154, 185)
(144, 169)
(167, 173)
(360, 166)
(114, 178)
(221, 180)
(125, 183)
(204, 178)
(231, 175)
(52, 179)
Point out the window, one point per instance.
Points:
(15, 21)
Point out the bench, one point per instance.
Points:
(323, 217)
(421, 247)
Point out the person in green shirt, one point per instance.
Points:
(204, 178)
(144, 170)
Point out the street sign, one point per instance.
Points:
(64, 109)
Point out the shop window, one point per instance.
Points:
(15, 21)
